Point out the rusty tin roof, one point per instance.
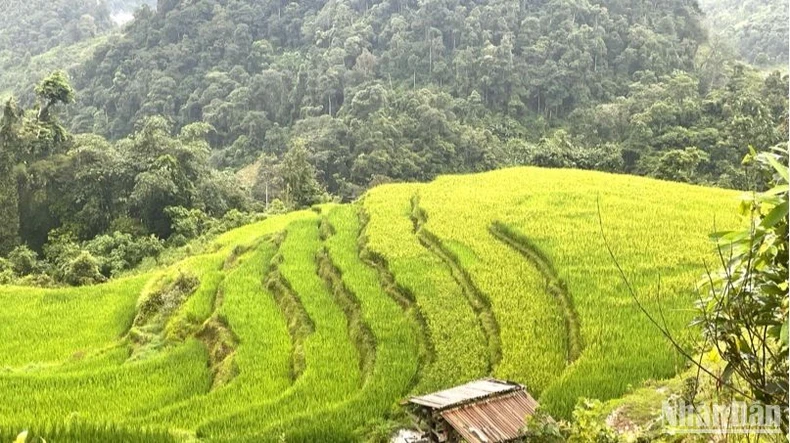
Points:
(465, 393)
(496, 419)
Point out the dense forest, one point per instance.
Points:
(407, 90)
(319, 99)
(38, 37)
(758, 29)
(33, 27)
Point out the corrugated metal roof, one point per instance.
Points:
(464, 393)
(493, 420)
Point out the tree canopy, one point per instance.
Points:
(317, 99)
(758, 29)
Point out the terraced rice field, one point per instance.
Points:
(314, 325)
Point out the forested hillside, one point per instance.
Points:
(402, 90)
(275, 220)
(30, 29)
(35, 26)
(38, 37)
(321, 99)
(758, 29)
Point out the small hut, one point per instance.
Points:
(482, 411)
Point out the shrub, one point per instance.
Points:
(6, 277)
(276, 207)
(187, 223)
(83, 270)
(24, 261)
(36, 280)
(680, 165)
(120, 251)
(59, 250)
(560, 151)
(234, 219)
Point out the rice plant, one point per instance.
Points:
(331, 373)
(457, 340)
(308, 327)
(395, 363)
(660, 236)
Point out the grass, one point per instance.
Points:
(313, 326)
(532, 334)
(262, 356)
(331, 372)
(456, 338)
(655, 228)
(54, 325)
(107, 395)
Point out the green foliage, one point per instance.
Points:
(83, 270)
(560, 151)
(108, 197)
(744, 314)
(408, 93)
(292, 68)
(277, 207)
(23, 261)
(662, 118)
(9, 198)
(758, 29)
(53, 90)
(118, 252)
(542, 428)
(586, 426)
(187, 223)
(33, 27)
(680, 165)
(301, 187)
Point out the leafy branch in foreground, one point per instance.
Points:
(743, 308)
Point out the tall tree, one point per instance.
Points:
(299, 177)
(9, 198)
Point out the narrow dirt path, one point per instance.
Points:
(480, 304)
(359, 331)
(554, 285)
(400, 295)
(299, 323)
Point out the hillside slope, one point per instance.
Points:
(313, 325)
(38, 37)
(758, 29)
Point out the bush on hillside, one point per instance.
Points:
(119, 251)
(234, 219)
(560, 150)
(586, 426)
(276, 207)
(83, 270)
(60, 249)
(6, 273)
(187, 223)
(36, 280)
(23, 260)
